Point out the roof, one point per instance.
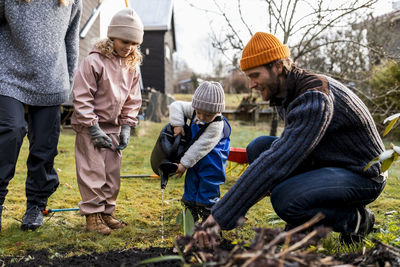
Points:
(156, 15)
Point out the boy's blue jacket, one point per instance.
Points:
(203, 179)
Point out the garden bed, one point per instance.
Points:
(270, 247)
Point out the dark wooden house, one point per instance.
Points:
(158, 43)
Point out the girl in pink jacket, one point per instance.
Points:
(106, 101)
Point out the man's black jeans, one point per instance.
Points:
(43, 134)
(335, 192)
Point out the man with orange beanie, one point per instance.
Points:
(317, 163)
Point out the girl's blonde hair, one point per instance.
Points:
(106, 47)
(62, 2)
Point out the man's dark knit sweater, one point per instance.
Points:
(326, 125)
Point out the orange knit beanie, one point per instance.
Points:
(262, 48)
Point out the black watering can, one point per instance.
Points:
(167, 151)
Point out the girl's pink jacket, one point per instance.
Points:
(105, 91)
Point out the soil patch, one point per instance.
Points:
(270, 247)
(111, 258)
(226, 254)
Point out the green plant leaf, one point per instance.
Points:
(395, 156)
(372, 162)
(179, 218)
(390, 126)
(189, 223)
(162, 258)
(235, 242)
(386, 164)
(185, 219)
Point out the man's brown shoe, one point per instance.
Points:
(95, 223)
(113, 222)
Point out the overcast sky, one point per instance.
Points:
(193, 26)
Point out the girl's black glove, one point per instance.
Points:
(124, 137)
(99, 138)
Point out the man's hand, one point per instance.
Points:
(124, 137)
(208, 236)
(99, 138)
(180, 171)
(179, 130)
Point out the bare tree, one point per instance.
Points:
(357, 56)
(324, 36)
(282, 18)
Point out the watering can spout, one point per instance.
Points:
(164, 180)
(165, 170)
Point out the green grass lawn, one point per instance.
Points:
(139, 203)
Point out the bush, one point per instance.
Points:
(385, 91)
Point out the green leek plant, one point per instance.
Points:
(388, 156)
(185, 219)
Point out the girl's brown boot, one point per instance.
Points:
(95, 223)
(113, 222)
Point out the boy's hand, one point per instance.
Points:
(181, 170)
(179, 130)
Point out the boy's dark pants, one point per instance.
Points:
(43, 133)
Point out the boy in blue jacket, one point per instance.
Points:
(205, 160)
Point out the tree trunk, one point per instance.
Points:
(274, 123)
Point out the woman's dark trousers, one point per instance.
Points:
(42, 123)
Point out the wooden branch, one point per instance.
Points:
(229, 24)
(338, 17)
(299, 228)
(242, 19)
(251, 260)
(298, 244)
(286, 38)
(313, 48)
(202, 9)
(282, 259)
(259, 241)
(293, 258)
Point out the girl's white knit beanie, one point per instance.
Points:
(209, 97)
(126, 25)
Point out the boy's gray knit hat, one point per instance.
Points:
(209, 97)
(126, 25)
